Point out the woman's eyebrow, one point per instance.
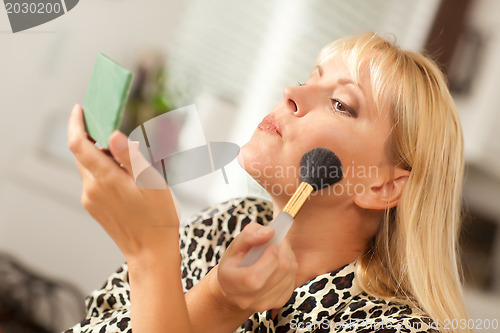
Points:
(341, 80)
(320, 70)
(346, 81)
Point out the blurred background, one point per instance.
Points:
(231, 59)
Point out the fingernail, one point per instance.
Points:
(75, 108)
(264, 230)
(134, 144)
(119, 143)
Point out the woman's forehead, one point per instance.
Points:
(338, 69)
(353, 70)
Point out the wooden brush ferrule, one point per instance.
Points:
(298, 198)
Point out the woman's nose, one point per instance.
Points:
(296, 100)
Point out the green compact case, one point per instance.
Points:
(106, 98)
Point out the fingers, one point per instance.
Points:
(84, 150)
(281, 282)
(285, 264)
(257, 275)
(271, 261)
(119, 148)
(83, 172)
(266, 284)
(286, 254)
(252, 235)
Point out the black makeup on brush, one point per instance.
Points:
(319, 168)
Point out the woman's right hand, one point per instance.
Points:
(268, 283)
(238, 292)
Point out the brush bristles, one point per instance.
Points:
(320, 168)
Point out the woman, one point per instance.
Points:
(375, 252)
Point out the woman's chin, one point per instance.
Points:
(250, 159)
(241, 157)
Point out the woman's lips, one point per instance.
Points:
(269, 124)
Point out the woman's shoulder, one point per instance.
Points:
(374, 314)
(246, 206)
(228, 218)
(206, 236)
(108, 308)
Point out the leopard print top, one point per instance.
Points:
(331, 302)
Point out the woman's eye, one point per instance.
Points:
(342, 108)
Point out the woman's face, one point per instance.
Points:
(328, 111)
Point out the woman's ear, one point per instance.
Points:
(383, 193)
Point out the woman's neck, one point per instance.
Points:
(327, 236)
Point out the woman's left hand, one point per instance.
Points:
(139, 220)
(266, 284)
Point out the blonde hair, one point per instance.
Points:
(414, 252)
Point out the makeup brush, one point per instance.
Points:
(319, 168)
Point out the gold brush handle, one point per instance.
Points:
(297, 200)
(281, 224)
